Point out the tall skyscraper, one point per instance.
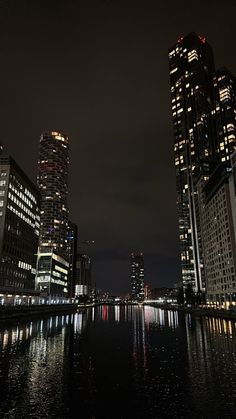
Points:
(19, 232)
(191, 70)
(53, 261)
(52, 179)
(137, 277)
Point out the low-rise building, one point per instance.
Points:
(19, 233)
(52, 276)
(218, 230)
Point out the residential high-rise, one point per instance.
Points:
(204, 116)
(191, 70)
(19, 232)
(224, 113)
(137, 277)
(53, 261)
(52, 179)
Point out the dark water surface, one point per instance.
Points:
(118, 362)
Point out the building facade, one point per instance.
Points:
(218, 231)
(137, 277)
(52, 278)
(52, 180)
(19, 233)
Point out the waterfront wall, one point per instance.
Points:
(17, 312)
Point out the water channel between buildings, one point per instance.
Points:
(118, 362)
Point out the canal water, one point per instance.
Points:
(118, 362)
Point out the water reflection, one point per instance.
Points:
(134, 361)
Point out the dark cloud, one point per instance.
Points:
(98, 70)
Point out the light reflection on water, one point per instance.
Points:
(118, 361)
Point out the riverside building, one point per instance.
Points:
(53, 260)
(218, 230)
(19, 233)
(204, 117)
(191, 69)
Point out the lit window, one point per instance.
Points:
(192, 55)
(224, 94)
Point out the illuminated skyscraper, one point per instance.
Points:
(53, 184)
(53, 261)
(191, 71)
(137, 276)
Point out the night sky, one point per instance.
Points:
(98, 71)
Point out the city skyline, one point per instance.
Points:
(109, 179)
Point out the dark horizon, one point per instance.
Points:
(99, 73)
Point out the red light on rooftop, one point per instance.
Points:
(202, 39)
(180, 39)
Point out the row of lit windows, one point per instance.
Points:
(22, 195)
(24, 265)
(20, 215)
(224, 94)
(20, 205)
(192, 55)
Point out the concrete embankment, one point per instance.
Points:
(22, 311)
(207, 312)
(200, 311)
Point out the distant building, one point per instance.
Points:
(72, 243)
(137, 276)
(83, 277)
(53, 261)
(164, 294)
(19, 232)
(219, 230)
(147, 292)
